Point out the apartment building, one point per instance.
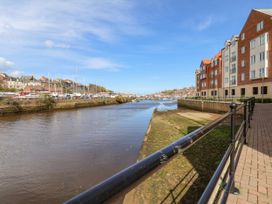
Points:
(215, 80)
(246, 62)
(209, 77)
(230, 68)
(203, 78)
(255, 55)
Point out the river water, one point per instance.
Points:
(50, 157)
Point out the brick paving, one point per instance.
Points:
(253, 175)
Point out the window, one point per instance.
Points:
(255, 90)
(233, 69)
(215, 93)
(260, 26)
(233, 92)
(226, 92)
(264, 90)
(242, 76)
(226, 80)
(261, 72)
(243, 91)
(215, 82)
(262, 56)
(252, 44)
(242, 36)
(233, 80)
(233, 56)
(243, 49)
(262, 39)
(226, 69)
(252, 74)
(215, 72)
(242, 63)
(215, 62)
(252, 59)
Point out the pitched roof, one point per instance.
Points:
(206, 61)
(219, 54)
(265, 11)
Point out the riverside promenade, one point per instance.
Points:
(253, 175)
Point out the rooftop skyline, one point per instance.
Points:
(127, 46)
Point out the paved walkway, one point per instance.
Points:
(253, 176)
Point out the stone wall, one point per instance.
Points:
(207, 106)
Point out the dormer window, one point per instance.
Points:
(260, 26)
(242, 36)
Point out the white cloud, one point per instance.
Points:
(199, 24)
(73, 29)
(5, 64)
(105, 19)
(206, 23)
(52, 44)
(102, 64)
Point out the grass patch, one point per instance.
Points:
(186, 176)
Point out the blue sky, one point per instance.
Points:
(139, 46)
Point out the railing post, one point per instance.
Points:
(245, 120)
(249, 112)
(233, 107)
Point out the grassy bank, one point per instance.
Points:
(10, 106)
(186, 176)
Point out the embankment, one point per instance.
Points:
(32, 106)
(206, 105)
(186, 176)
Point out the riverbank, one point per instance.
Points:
(9, 106)
(186, 176)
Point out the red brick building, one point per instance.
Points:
(203, 77)
(246, 69)
(255, 55)
(209, 76)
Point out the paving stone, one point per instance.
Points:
(253, 175)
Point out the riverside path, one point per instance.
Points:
(253, 176)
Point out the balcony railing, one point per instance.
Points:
(219, 186)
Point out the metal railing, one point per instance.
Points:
(127, 179)
(222, 182)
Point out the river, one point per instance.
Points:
(50, 157)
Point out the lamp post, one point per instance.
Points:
(229, 43)
(262, 88)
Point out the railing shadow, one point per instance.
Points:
(190, 187)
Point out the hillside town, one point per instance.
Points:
(31, 87)
(173, 93)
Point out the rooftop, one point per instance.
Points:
(265, 11)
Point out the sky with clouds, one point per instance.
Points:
(134, 46)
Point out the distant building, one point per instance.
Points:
(34, 89)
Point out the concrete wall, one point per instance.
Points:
(202, 105)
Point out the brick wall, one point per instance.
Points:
(250, 32)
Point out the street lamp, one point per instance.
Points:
(262, 88)
(229, 43)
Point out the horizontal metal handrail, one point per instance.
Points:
(120, 182)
